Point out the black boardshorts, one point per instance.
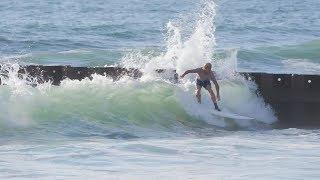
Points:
(203, 83)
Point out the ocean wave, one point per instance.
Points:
(300, 59)
(136, 107)
(146, 107)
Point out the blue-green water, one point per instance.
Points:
(150, 128)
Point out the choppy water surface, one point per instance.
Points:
(151, 128)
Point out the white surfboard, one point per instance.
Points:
(226, 114)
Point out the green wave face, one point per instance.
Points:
(121, 105)
(132, 107)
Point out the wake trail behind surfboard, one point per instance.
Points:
(227, 114)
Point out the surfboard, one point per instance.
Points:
(226, 114)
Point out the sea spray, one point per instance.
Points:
(137, 129)
(195, 51)
(237, 94)
(150, 103)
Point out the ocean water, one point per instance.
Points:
(150, 128)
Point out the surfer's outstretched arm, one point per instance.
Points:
(190, 71)
(213, 79)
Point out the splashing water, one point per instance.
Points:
(182, 55)
(150, 127)
(237, 94)
(138, 105)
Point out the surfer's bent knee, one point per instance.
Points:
(213, 96)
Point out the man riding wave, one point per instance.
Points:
(205, 74)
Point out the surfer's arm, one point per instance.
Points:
(215, 82)
(189, 71)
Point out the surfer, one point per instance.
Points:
(205, 74)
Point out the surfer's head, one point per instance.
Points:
(207, 67)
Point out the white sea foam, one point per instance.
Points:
(237, 95)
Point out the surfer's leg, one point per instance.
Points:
(213, 97)
(198, 94)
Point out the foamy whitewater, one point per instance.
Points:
(150, 128)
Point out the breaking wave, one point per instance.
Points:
(150, 106)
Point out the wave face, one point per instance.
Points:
(147, 107)
(137, 129)
(136, 107)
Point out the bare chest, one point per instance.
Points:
(202, 75)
